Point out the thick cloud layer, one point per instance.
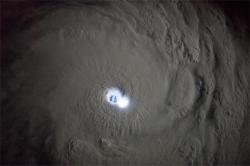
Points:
(181, 64)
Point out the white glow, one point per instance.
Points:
(123, 102)
(115, 97)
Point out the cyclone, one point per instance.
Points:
(124, 83)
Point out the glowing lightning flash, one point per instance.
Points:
(115, 97)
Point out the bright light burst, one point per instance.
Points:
(115, 97)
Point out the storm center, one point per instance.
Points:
(115, 97)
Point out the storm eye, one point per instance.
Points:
(115, 97)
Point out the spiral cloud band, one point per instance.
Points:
(125, 82)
